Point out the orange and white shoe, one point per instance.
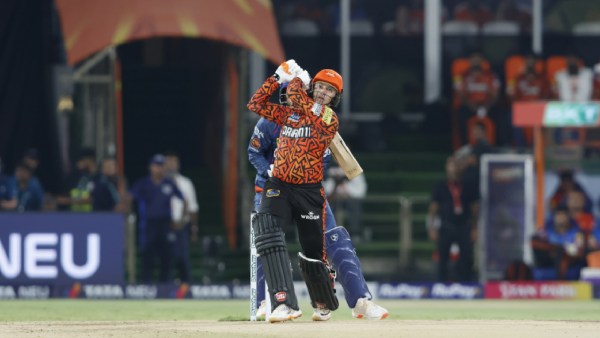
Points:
(321, 315)
(283, 313)
(367, 309)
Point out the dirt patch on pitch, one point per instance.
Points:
(304, 328)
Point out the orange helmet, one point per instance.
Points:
(332, 77)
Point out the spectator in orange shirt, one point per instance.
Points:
(530, 85)
(478, 91)
(473, 11)
(576, 205)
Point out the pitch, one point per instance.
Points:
(188, 318)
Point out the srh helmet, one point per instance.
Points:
(331, 77)
(283, 94)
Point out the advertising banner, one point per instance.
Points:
(538, 290)
(61, 248)
(429, 290)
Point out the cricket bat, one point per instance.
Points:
(344, 157)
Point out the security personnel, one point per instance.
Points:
(153, 194)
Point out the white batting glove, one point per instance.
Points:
(305, 77)
(286, 71)
(270, 171)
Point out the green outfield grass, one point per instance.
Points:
(124, 310)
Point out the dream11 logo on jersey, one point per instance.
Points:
(61, 248)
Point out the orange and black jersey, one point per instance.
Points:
(304, 137)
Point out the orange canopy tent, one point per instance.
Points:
(90, 26)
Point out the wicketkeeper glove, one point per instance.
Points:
(286, 71)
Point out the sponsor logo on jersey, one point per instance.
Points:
(334, 237)
(295, 117)
(327, 115)
(273, 192)
(280, 296)
(311, 216)
(258, 133)
(255, 143)
(295, 132)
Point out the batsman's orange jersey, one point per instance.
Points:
(305, 135)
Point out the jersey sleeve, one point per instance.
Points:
(325, 120)
(259, 147)
(259, 103)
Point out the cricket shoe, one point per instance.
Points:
(261, 312)
(365, 308)
(321, 315)
(284, 313)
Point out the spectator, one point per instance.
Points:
(567, 184)
(575, 82)
(473, 11)
(575, 202)
(478, 91)
(185, 223)
(31, 159)
(8, 192)
(77, 192)
(555, 246)
(530, 85)
(469, 157)
(346, 196)
(153, 194)
(452, 218)
(30, 195)
(110, 189)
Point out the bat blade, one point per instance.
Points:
(344, 157)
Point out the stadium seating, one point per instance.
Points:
(587, 28)
(459, 28)
(300, 27)
(505, 28)
(359, 28)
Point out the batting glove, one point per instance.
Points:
(286, 71)
(303, 75)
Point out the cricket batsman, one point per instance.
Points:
(262, 153)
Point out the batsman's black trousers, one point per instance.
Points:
(302, 203)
